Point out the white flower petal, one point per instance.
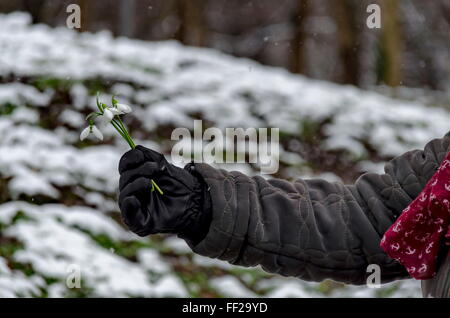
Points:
(116, 111)
(85, 133)
(108, 114)
(97, 133)
(125, 109)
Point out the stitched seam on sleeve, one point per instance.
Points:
(231, 235)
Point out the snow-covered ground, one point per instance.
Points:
(58, 206)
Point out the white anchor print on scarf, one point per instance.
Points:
(416, 236)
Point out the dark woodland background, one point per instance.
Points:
(321, 39)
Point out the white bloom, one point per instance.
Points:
(120, 109)
(97, 133)
(115, 111)
(108, 114)
(124, 109)
(91, 129)
(85, 133)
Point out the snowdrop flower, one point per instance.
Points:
(124, 109)
(85, 133)
(108, 114)
(91, 129)
(112, 113)
(115, 111)
(97, 133)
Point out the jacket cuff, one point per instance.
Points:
(229, 222)
(197, 217)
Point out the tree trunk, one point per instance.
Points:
(390, 43)
(191, 31)
(298, 43)
(34, 7)
(347, 37)
(127, 17)
(84, 6)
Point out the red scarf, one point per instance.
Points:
(419, 235)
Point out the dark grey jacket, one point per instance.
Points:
(314, 229)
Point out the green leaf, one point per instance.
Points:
(98, 103)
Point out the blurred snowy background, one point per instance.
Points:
(58, 195)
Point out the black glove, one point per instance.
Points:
(183, 208)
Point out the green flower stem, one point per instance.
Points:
(120, 127)
(124, 131)
(119, 120)
(154, 185)
(119, 130)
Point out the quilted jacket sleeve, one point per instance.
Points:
(313, 229)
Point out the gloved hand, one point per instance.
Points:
(183, 208)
